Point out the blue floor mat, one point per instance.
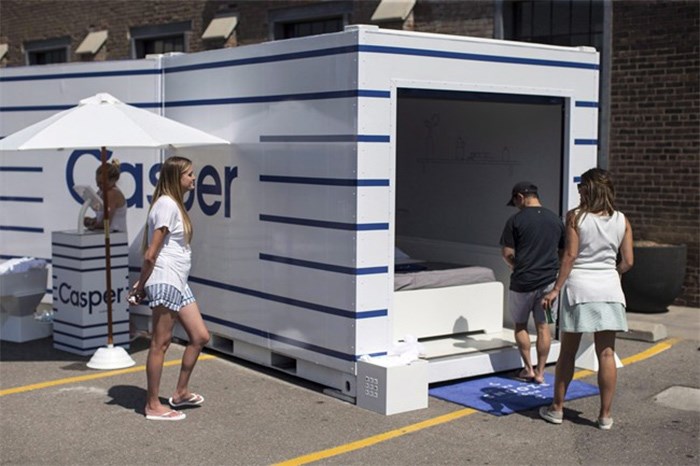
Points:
(500, 395)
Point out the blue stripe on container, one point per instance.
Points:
(586, 142)
(323, 181)
(115, 245)
(343, 94)
(56, 108)
(70, 324)
(577, 179)
(117, 256)
(80, 337)
(322, 266)
(324, 224)
(264, 59)
(583, 103)
(292, 302)
(475, 57)
(21, 199)
(22, 169)
(21, 228)
(326, 138)
(350, 93)
(286, 340)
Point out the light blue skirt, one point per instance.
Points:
(592, 317)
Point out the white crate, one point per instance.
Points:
(386, 387)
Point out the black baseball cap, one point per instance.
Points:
(523, 187)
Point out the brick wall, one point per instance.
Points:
(655, 131)
(75, 18)
(464, 18)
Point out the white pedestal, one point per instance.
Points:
(79, 291)
(387, 388)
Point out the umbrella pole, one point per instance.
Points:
(108, 255)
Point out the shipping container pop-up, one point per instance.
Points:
(353, 226)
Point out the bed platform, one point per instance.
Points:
(456, 313)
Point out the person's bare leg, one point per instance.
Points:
(607, 370)
(198, 335)
(522, 339)
(163, 323)
(564, 371)
(544, 341)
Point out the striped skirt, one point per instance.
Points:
(162, 294)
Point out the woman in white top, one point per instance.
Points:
(592, 297)
(116, 202)
(163, 279)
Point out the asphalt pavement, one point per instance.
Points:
(54, 410)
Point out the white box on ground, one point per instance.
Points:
(388, 386)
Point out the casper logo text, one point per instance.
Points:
(212, 191)
(89, 299)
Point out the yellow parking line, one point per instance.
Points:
(653, 351)
(83, 378)
(369, 441)
(348, 447)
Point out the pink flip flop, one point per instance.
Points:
(194, 400)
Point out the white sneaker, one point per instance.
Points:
(605, 423)
(555, 417)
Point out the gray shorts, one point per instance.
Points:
(522, 304)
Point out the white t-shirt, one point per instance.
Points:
(174, 259)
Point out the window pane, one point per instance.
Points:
(159, 45)
(45, 57)
(524, 26)
(581, 18)
(597, 16)
(580, 39)
(561, 17)
(311, 27)
(542, 18)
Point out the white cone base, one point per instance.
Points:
(110, 357)
(587, 359)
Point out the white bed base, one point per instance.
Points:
(461, 329)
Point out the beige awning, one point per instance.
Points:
(3, 50)
(393, 10)
(92, 42)
(221, 28)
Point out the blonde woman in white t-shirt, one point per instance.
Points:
(591, 291)
(163, 280)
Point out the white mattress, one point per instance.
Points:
(442, 275)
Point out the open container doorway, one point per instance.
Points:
(458, 154)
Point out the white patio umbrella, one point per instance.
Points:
(104, 121)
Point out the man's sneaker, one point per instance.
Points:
(555, 417)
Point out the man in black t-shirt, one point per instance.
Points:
(531, 244)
